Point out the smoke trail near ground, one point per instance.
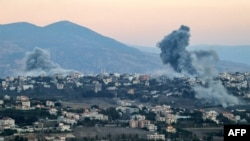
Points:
(39, 59)
(198, 63)
(38, 62)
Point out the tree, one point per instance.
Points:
(19, 138)
(111, 113)
(8, 132)
(150, 116)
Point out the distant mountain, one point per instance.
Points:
(232, 58)
(237, 54)
(76, 47)
(73, 47)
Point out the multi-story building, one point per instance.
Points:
(133, 124)
(7, 123)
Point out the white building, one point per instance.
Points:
(170, 118)
(94, 116)
(152, 127)
(53, 111)
(63, 127)
(22, 98)
(66, 120)
(7, 123)
(25, 105)
(50, 103)
(171, 129)
(26, 87)
(138, 117)
(156, 137)
(59, 86)
(212, 115)
(1, 102)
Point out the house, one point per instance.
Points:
(127, 84)
(111, 88)
(10, 78)
(127, 110)
(12, 88)
(135, 81)
(22, 98)
(6, 97)
(107, 81)
(171, 129)
(133, 123)
(7, 123)
(46, 86)
(66, 120)
(26, 87)
(123, 103)
(143, 123)
(229, 115)
(71, 115)
(170, 118)
(53, 111)
(50, 103)
(138, 117)
(94, 116)
(143, 77)
(156, 136)
(131, 91)
(78, 84)
(59, 86)
(211, 115)
(151, 127)
(19, 89)
(160, 118)
(130, 110)
(1, 102)
(4, 84)
(25, 104)
(63, 127)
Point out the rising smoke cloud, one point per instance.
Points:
(38, 62)
(173, 51)
(196, 63)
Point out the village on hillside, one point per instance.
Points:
(143, 107)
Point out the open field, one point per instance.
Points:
(201, 132)
(109, 131)
(88, 102)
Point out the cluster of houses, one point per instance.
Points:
(112, 82)
(66, 119)
(240, 82)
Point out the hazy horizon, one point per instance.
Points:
(138, 22)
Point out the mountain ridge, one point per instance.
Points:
(76, 47)
(81, 49)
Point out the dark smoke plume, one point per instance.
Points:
(38, 62)
(196, 63)
(173, 51)
(39, 59)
